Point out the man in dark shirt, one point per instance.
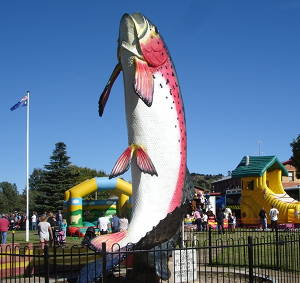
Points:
(263, 218)
(220, 220)
(115, 224)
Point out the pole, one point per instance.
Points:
(27, 168)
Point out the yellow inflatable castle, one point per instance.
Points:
(262, 188)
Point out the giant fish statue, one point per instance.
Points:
(157, 150)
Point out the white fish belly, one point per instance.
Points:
(157, 129)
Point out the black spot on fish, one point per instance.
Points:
(167, 81)
(175, 126)
(173, 101)
(166, 97)
(153, 76)
(172, 74)
(161, 85)
(171, 107)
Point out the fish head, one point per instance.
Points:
(141, 37)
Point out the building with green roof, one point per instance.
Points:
(262, 188)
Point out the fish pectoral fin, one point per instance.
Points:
(122, 164)
(143, 84)
(144, 162)
(105, 94)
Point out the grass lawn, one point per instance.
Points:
(19, 237)
(231, 249)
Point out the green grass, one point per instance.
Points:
(231, 249)
(20, 237)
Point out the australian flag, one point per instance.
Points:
(22, 102)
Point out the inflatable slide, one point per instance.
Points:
(262, 188)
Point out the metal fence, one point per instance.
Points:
(243, 256)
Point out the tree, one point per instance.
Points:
(54, 180)
(204, 181)
(10, 200)
(295, 145)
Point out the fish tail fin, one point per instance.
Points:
(114, 255)
(112, 241)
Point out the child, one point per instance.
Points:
(45, 231)
(63, 228)
(231, 222)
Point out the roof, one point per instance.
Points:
(222, 179)
(257, 166)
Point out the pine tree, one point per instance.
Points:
(295, 145)
(57, 177)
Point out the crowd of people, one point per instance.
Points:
(113, 224)
(49, 226)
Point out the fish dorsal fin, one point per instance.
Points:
(105, 93)
(143, 84)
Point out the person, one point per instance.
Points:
(45, 231)
(51, 220)
(4, 226)
(63, 228)
(115, 224)
(220, 220)
(198, 220)
(204, 221)
(123, 223)
(231, 222)
(263, 218)
(59, 218)
(274, 217)
(103, 224)
(33, 221)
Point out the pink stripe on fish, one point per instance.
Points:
(157, 56)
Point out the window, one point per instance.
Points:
(250, 185)
(291, 176)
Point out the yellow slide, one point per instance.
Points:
(73, 196)
(262, 188)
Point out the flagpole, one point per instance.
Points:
(27, 168)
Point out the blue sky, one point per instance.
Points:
(238, 64)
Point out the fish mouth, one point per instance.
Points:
(133, 27)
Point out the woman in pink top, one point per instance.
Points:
(4, 225)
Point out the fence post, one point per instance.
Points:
(46, 263)
(277, 247)
(104, 263)
(250, 259)
(209, 246)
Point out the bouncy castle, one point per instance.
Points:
(262, 188)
